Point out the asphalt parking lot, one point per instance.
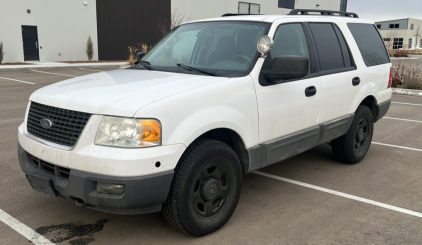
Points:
(308, 199)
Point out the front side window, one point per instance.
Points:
(290, 39)
(222, 48)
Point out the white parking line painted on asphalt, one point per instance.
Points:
(406, 103)
(397, 146)
(89, 69)
(401, 119)
(15, 80)
(55, 73)
(24, 230)
(341, 194)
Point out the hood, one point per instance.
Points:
(118, 92)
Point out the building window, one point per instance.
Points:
(379, 26)
(420, 45)
(410, 43)
(288, 4)
(412, 26)
(386, 39)
(398, 43)
(394, 26)
(249, 8)
(343, 5)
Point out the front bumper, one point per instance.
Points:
(144, 194)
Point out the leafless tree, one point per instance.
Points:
(418, 36)
(390, 37)
(175, 20)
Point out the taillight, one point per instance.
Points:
(390, 82)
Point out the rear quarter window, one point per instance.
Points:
(370, 44)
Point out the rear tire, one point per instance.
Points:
(352, 147)
(205, 189)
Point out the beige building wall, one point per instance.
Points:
(63, 28)
(202, 9)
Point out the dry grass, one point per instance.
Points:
(133, 51)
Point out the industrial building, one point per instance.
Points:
(402, 33)
(51, 30)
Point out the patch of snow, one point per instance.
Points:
(406, 92)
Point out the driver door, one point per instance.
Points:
(288, 115)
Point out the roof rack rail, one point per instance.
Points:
(232, 14)
(323, 12)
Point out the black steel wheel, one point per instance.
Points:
(352, 147)
(205, 189)
(362, 135)
(211, 189)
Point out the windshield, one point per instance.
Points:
(221, 48)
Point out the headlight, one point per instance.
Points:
(128, 132)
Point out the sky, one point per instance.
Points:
(379, 10)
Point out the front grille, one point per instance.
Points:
(67, 124)
(52, 169)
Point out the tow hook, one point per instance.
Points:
(80, 203)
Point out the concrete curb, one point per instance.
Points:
(403, 91)
(62, 65)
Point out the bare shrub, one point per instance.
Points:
(176, 19)
(1, 52)
(413, 83)
(89, 48)
(403, 73)
(400, 53)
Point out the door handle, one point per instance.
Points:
(36, 44)
(310, 91)
(356, 81)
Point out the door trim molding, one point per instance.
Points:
(279, 149)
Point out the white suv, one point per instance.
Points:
(212, 100)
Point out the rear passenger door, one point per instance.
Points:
(340, 80)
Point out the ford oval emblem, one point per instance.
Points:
(45, 123)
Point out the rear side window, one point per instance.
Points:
(332, 49)
(370, 44)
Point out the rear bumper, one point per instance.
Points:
(383, 108)
(144, 194)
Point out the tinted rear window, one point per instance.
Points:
(370, 44)
(328, 47)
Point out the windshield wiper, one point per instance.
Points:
(190, 68)
(146, 64)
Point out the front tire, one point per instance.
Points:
(352, 147)
(205, 189)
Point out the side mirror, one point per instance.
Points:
(139, 56)
(287, 67)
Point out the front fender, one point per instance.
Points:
(230, 104)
